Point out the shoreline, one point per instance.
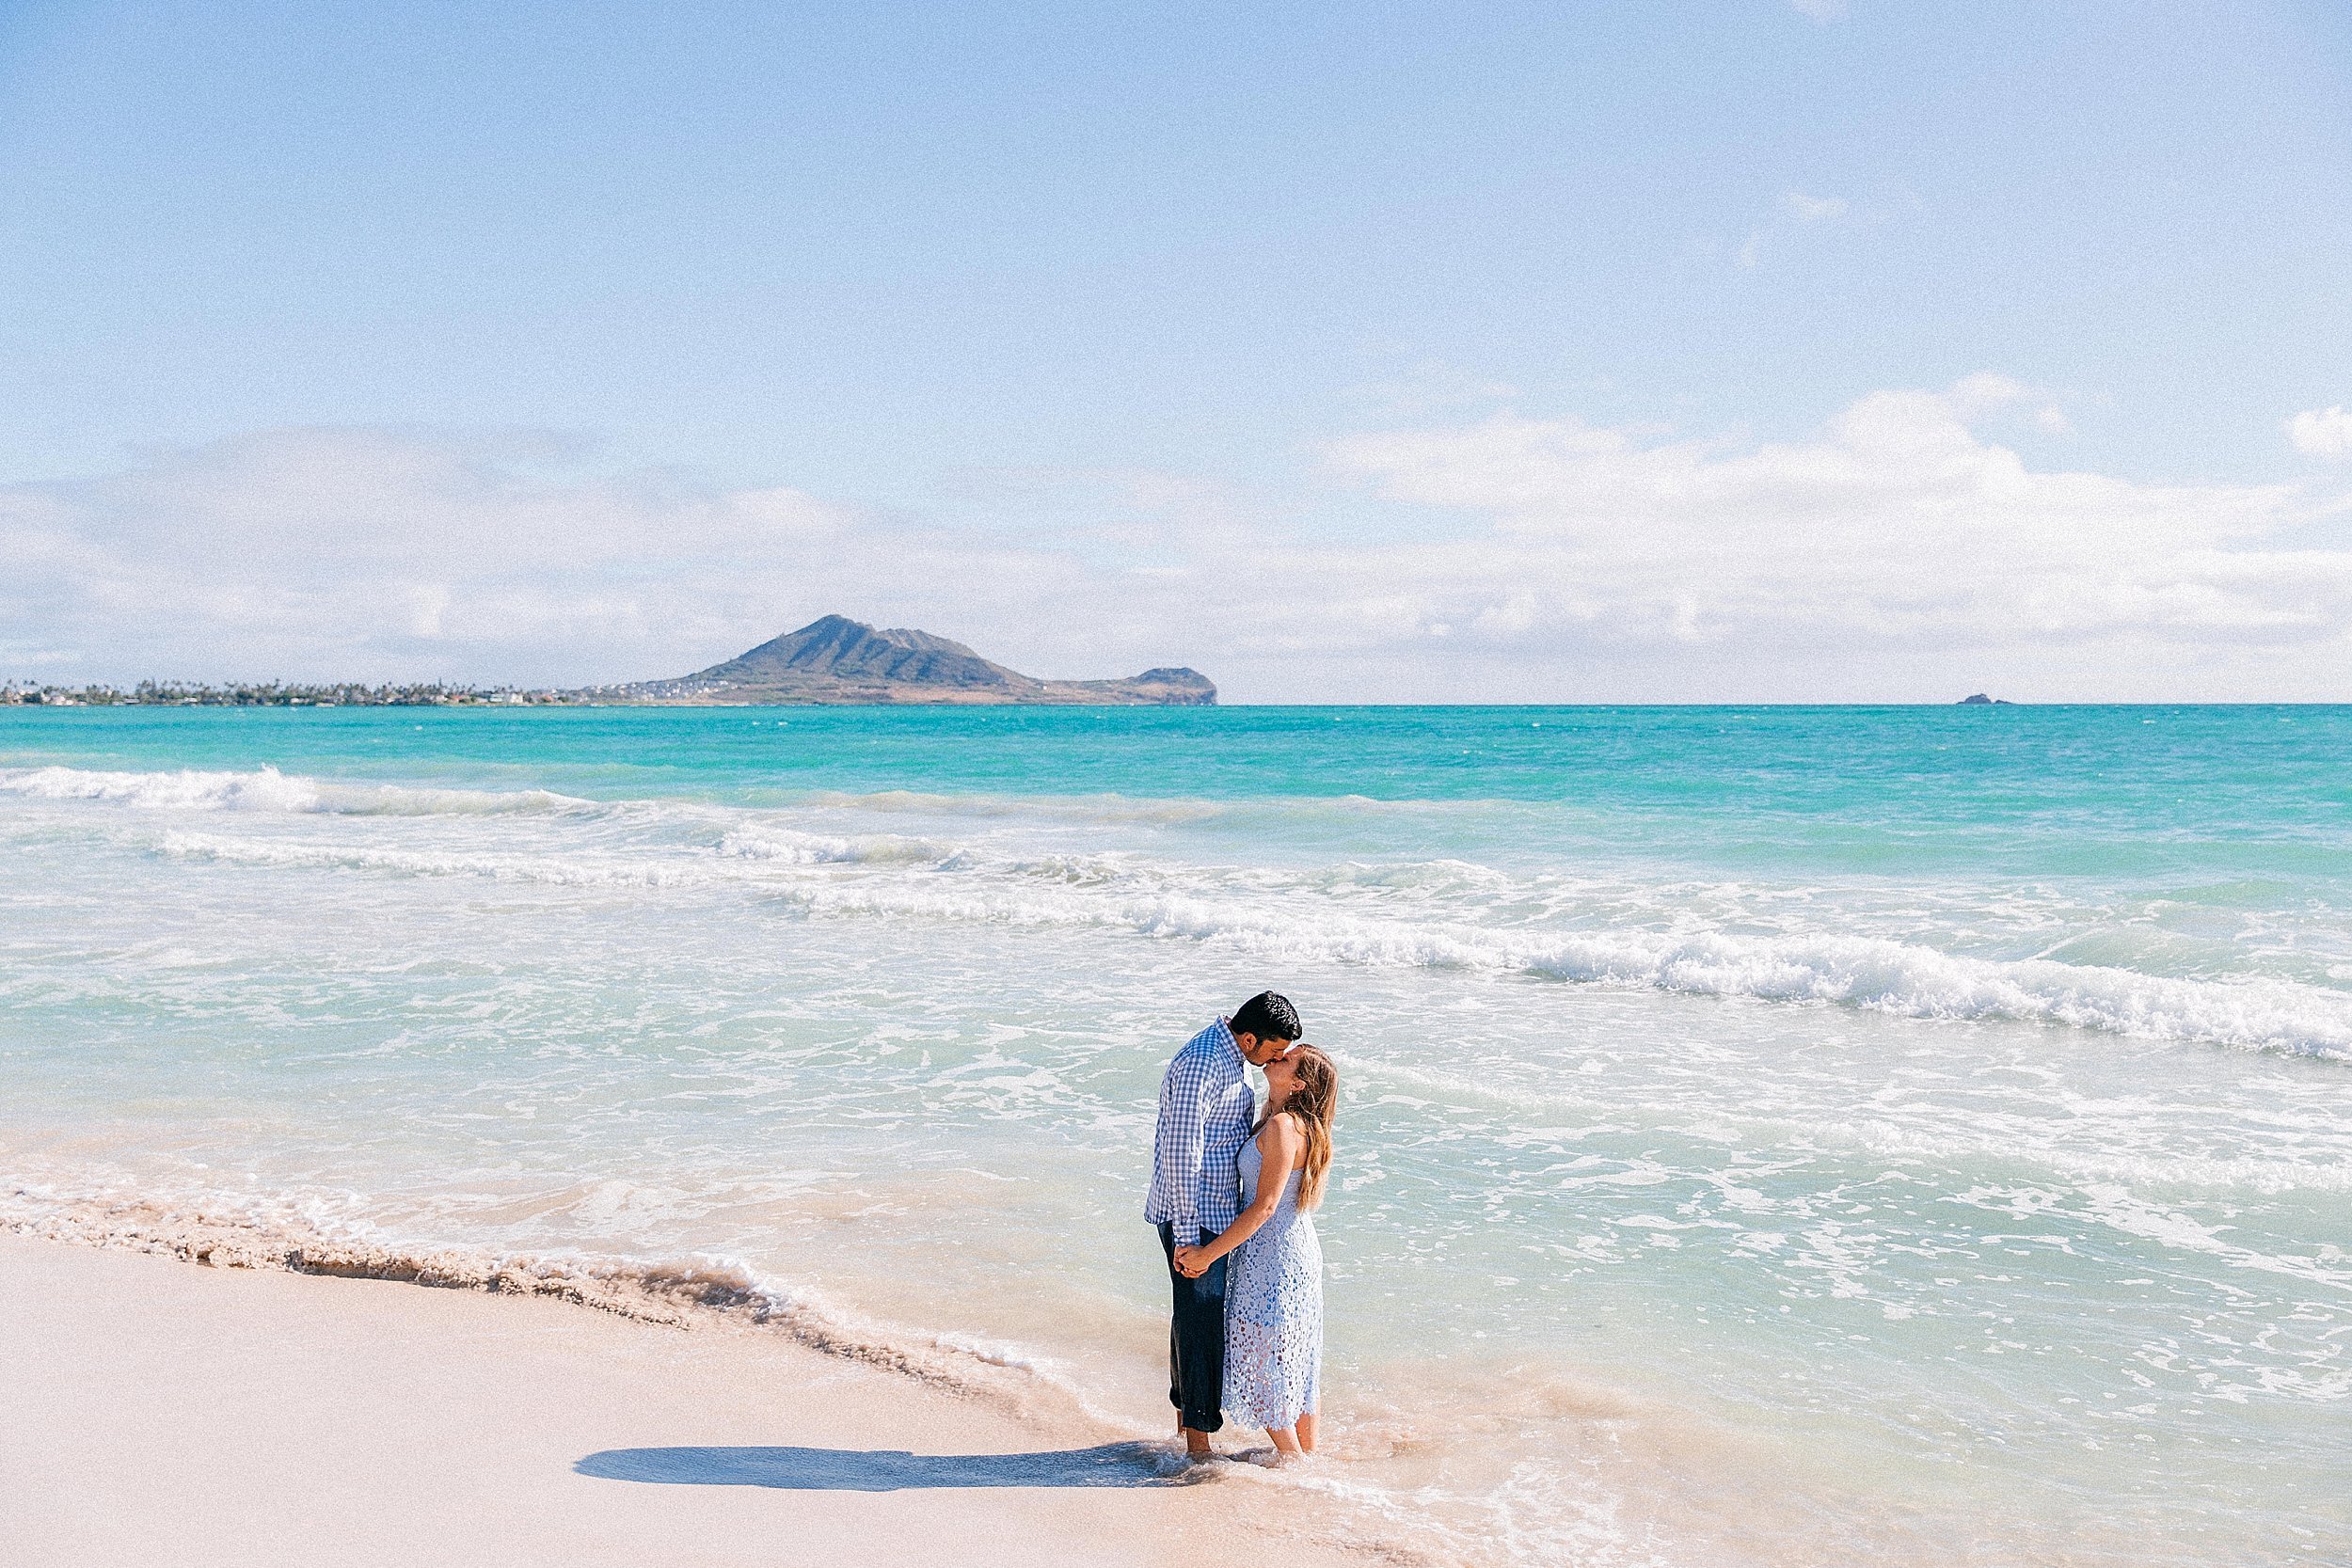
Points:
(264, 1410)
(679, 1293)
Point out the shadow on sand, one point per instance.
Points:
(890, 1469)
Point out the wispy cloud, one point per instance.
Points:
(2322, 433)
(1813, 208)
(1798, 209)
(1513, 558)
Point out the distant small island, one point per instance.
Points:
(1980, 700)
(833, 659)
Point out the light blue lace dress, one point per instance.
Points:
(1274, 1311)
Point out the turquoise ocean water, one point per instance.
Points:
(1768, 1135)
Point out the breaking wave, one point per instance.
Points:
(784, 848)
(1437, 913)
(912, 880)
(1873, 973)
(265, 790)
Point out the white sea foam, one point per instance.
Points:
(189, 789)
(788, 847)
(266, 789)
(1418, 914)
(393, 801)
(1869, 973)
(2145, 1166)
(561, 871)
(1874, 973)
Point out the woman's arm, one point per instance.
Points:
(1278, 1144)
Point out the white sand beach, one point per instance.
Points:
(162, 1412)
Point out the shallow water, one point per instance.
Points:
(1768, 1135)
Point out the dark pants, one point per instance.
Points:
(1196, 1341)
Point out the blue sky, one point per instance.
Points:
(1751, 350)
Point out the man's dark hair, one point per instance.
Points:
(1267, 1015)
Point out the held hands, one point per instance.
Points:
(1193, 1261)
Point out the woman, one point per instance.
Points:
(1274, 1290)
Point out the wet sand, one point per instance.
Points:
(166, 1412)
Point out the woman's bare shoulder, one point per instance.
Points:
(1281, 1130)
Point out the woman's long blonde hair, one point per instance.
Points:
(1314, 1099)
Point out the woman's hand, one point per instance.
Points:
(1193, 1261)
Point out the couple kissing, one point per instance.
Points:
(1233, 1189)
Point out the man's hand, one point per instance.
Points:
(1191, 1262)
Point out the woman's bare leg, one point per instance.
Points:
(1307, 1433)
(1285, 1443)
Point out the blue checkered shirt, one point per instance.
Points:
(1206, 1107)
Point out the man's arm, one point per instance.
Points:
(1185, 1138)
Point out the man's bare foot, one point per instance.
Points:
(1196, 1444)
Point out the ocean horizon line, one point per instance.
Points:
(1660, 704)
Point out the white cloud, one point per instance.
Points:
(373, 554)
(1897, 533)
(1819, 10)
(1972, 396)
(2322, 433)
(1895, 552)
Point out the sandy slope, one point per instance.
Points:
(162, 1413)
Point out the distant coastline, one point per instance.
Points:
(275, 694)
(833, 661)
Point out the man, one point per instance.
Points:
(1206, 1105)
